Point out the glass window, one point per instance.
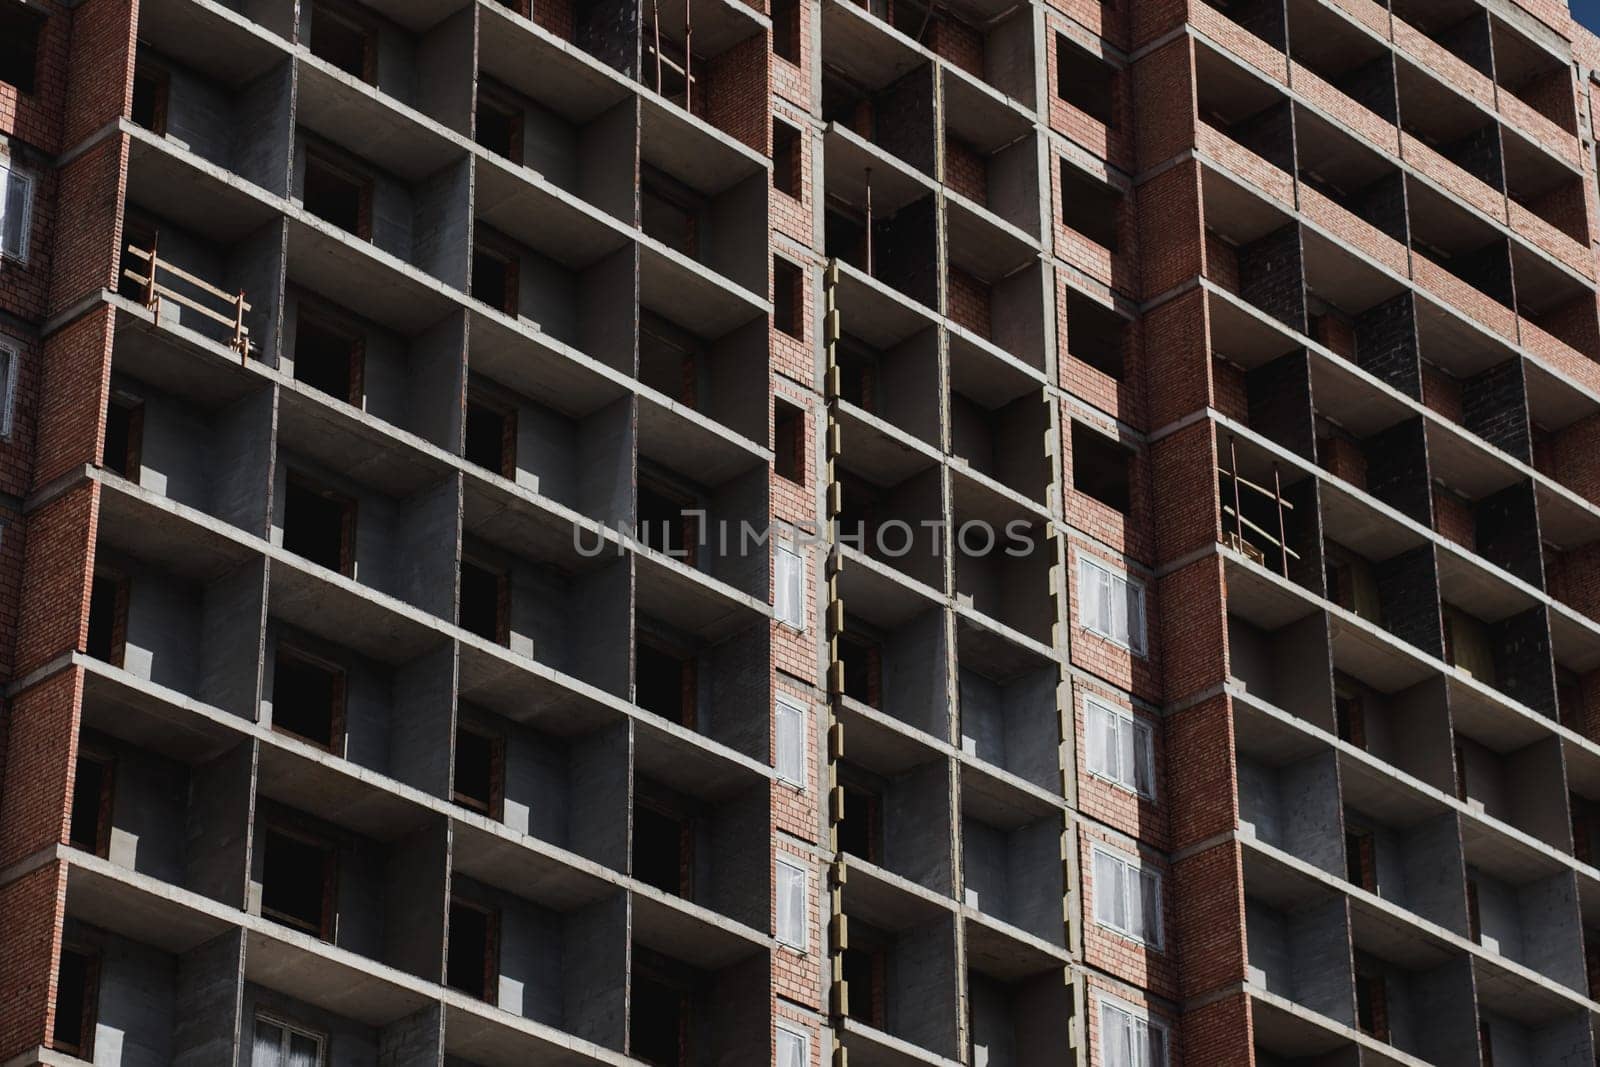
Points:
(1120, 747)
(1127, 898)
(789, 596)
(789, 727)
(1111, 604)
(16, 212)
(792, 883)
(1129, 1040)
(278, 1044)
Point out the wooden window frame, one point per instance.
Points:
(495, 809)
(84, 1049)
(501, 101)
(490, 991)
(347, 521)
(325, 317)
(502, 609)
(352, 19)
(272, 1019)
(340, 167)
(104, 803)
(330, 878)
(337, 714)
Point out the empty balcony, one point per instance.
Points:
(382, 899)
(702, 840)
(900, 977)
(397, 53)
(883, 520)
(151, 436)
(1405, 850)
(550, 780)
(173, 607)
(576, 290)
(544, 600)
(1539, 84)
(1011, 858)
(1299, 950)
(202, 268)
(232, 118)
(999, 423)
(564, 968)
(1531, 919)
(1451, 141)
(311, 1022)
(884, 669)
(687, 361)
(1008, 1018)
(1008, 714)
(685, 1011)
(407, 380)
(898, 386)
(362, 533)
(899, 820)
(1004, 554)
(1326, 46)
(407, 204)
(153, 812)
(134, 991)
(582, 143)
(1406, 998)
(1511, 783)
(1291, 805)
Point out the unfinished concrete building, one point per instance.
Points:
(1202, 665)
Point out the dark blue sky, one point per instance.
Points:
(1588, 13)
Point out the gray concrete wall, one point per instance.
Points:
(1015, 874)
(606, 463)
(920, 988)
(602, 656)
(732, 234)
(150, 798)
(733, 680)
(239, 470)
(421, 733)
(426, 542)
(1014, 726)
(607, 303)
(1013, 185)
(232, 610)
(1017, 322)
(736, 381)
(594, 951)
(1552, 930)
(261, 130)
(437, 370)
(1442, 1026)
(1008, 58)
(257, 269)
(138, 990)
(911, 692)
(206, 996)
(1296, 808)
(1536, 793)
(1419, 736)
(163, 624)
(993, 1036)
(217, 827)
(600, 773)
(908, 387)
(742, 499)
(733, 872)
(441, 223)
(917, 826)
(550, 142)
(1431, 867)
(414, 899)
(441, 54)
(606, 160)
(414, 1041)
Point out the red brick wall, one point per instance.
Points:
(35, 907)
(89, 220)
(57, 563)
(76, 384)
(969, 302)
(36, 117)
(100, 66)
(36, 797)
